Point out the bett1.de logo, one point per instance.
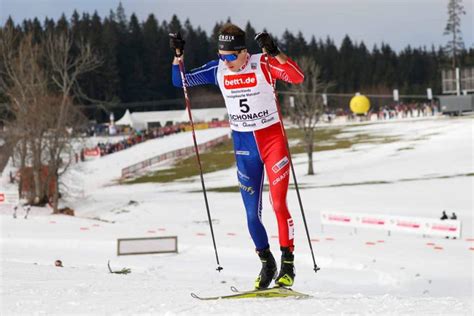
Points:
(240, 81)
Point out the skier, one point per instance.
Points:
(444, 216)
(257, 134)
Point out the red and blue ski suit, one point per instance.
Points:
(257, 134)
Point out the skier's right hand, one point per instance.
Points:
(177, 44)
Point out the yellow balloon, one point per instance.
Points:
(360, 104)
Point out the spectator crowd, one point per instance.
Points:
(138, 137)
(134, 137)
(385, 112)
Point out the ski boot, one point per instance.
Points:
(286, 277)
(268, 271)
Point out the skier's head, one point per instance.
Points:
(231, 46)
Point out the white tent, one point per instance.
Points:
(126, 119)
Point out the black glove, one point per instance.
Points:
(177, 43)
(265, 41)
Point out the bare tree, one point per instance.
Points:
(40, 80)
(453, 29)
(68, 60)
(309, 105)
(59, 151)
(24, 83)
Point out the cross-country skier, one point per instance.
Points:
(256, 132)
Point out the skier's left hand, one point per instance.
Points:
(177, 44)
(267, 44)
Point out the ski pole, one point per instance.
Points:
(315, 267)
(188, 108)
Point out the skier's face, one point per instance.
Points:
(233, 59)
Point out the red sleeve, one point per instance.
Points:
(289, 72)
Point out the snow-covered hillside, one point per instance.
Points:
(428, 170)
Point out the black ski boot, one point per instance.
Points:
(269, 269)
(286, 277)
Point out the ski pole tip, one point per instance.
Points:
(316, 269)
(219, 268)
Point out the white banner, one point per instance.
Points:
(396, 96)
(372, 221)
(429, 94)
(416, 225)
(91, 153)
(339, 219)
(148, 245)
(407, 224)
(451, 228)
(9, 198)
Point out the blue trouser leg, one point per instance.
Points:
(250, 175)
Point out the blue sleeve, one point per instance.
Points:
(206, 74)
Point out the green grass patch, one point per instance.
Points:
(229, 189)
(222, 157)
(357, 183)
(405, 148)
(218, 158)
(426, 137)
(435, 177)
(332, 137)
(235, 189)
(321, 134)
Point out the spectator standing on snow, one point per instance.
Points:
(444, 216)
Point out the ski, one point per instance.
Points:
(235, 290)
(265, 293)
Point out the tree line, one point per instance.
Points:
(136, 57)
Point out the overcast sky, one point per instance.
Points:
(396, 22)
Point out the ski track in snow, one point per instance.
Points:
(400, 274)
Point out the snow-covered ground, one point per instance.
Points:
(430, 169)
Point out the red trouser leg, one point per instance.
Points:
(272, 146)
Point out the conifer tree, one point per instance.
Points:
(453, 29)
